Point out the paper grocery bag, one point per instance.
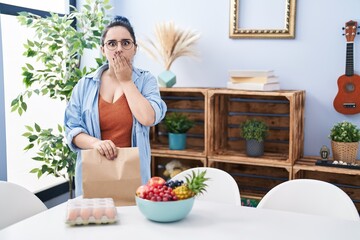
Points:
(117, 179)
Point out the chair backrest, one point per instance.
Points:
(312, 197)
(222, 187)
(17, 203)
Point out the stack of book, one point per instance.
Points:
(258, 80)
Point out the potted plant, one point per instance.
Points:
(254, 132)
(58, 46)
(177, 125)
(345, 137)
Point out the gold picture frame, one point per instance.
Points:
(287, 32)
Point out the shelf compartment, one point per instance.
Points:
(192, 103)
(159, 161)
(283, 111)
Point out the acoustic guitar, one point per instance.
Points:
(347, 100)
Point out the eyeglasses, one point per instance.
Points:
(126, 44)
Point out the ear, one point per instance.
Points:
(103, 51)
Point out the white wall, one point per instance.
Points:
(312, 61)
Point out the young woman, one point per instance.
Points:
(115, 105)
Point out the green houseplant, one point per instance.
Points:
(177, 125)
(58, 45)
(254, 132)
(345, 137)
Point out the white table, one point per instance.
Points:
(206, 221)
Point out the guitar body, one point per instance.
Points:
(347, 100)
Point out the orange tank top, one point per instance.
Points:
(116, 121)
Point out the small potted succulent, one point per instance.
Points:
(177, 125)
(254, 132)
(345, 137)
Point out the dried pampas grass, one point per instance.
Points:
(171, 43)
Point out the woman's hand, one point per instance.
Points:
(122, 67)
(106, 148)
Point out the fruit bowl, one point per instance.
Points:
(169, 211)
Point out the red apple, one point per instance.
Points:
(156, 181)
(140, 191)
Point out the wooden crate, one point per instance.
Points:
(159, 161)
(191, 102)
(283, 111)
(254, 181)
(347, 179)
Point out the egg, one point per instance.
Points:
(73, 213)
(110, 212)
(85, 213)
(98, 212)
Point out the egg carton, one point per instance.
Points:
(83, 211)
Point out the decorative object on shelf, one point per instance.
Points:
(324, 153)
(177, 125)
(258, 80)
(254, 132)
(167, 79)
(174, 167)
(338, 164)
(172, 43)
(345, 137)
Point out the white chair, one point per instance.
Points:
(17, 203)
(222, 187)
(312, 197)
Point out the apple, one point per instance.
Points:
(156, 181)
(140, 191)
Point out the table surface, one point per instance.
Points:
(207, 220)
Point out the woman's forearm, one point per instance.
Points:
(139, 105)
(85, 141)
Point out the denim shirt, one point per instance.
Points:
(82, 116)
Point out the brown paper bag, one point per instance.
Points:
(117, 179)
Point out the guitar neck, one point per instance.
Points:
(349, 69)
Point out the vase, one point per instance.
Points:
(167, 79)
(254, 148)
(177, 141)
(345, 151)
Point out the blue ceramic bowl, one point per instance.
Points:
(165, 211)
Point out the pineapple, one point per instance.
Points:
(195, 185)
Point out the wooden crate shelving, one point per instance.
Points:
(283, 111)
(191, 102)
(347, 179)
(215, 140)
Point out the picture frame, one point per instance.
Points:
(284, 26)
